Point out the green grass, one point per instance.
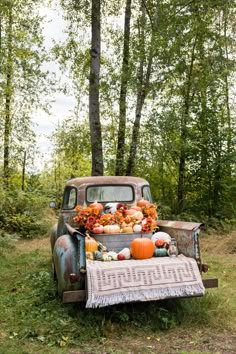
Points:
(33, 319)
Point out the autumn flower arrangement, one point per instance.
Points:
(141, 217)
(87, 217)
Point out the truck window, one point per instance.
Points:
(114, 193)
(147, 193)
(70, 197)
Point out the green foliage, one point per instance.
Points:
(72, 154)
(24, 83)
(188, 113)
(24, 213)
(186, 146)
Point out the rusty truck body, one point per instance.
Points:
(68, 242)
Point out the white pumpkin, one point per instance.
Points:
(137, 228)
(111, 229)
(126, 253)
(160, 235)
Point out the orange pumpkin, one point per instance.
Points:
(142, 248)
(98, 207)
(143, 202)
(97, 229)
(160, 243)
(130, 212)
(90, 244)
(135, 207)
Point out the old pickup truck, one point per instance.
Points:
(106, 283)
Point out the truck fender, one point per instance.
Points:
(53, 235)
(65, 254)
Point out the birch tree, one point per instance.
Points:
(23, 81)
(123, 93)
(143, 80)
(94, 78)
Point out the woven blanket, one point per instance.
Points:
(157, 278)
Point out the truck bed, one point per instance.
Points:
(109, 283)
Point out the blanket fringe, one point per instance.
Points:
(145, 295)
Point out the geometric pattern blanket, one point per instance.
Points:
(110, 283)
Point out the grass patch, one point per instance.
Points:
(33, 319)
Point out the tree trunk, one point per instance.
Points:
(8, 99)
(229, 136)
(141, 95)
(23, 172)
(123, 91)
(0, 42)
(94, 115)
(183, 133)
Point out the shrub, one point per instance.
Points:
(24, 213)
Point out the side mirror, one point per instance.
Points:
(52, 205)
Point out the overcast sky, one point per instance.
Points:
(61, 105)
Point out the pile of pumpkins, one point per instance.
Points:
(134, 218)
(140, 248)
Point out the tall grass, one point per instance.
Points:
(33, 319)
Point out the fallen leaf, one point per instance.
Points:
(63, 323)
(41, 338)
(62, 343)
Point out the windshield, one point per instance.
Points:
(114, 193)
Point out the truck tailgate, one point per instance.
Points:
(110, 283)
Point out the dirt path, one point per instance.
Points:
(42, 244)
(179, 341)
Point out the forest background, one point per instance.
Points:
(154, 84)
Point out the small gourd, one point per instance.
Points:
(97, 255)
(160, 243)
(90, 255)
(160, 252)
(113, 255)
(101, 247)
(105, 257)
(126, 253)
